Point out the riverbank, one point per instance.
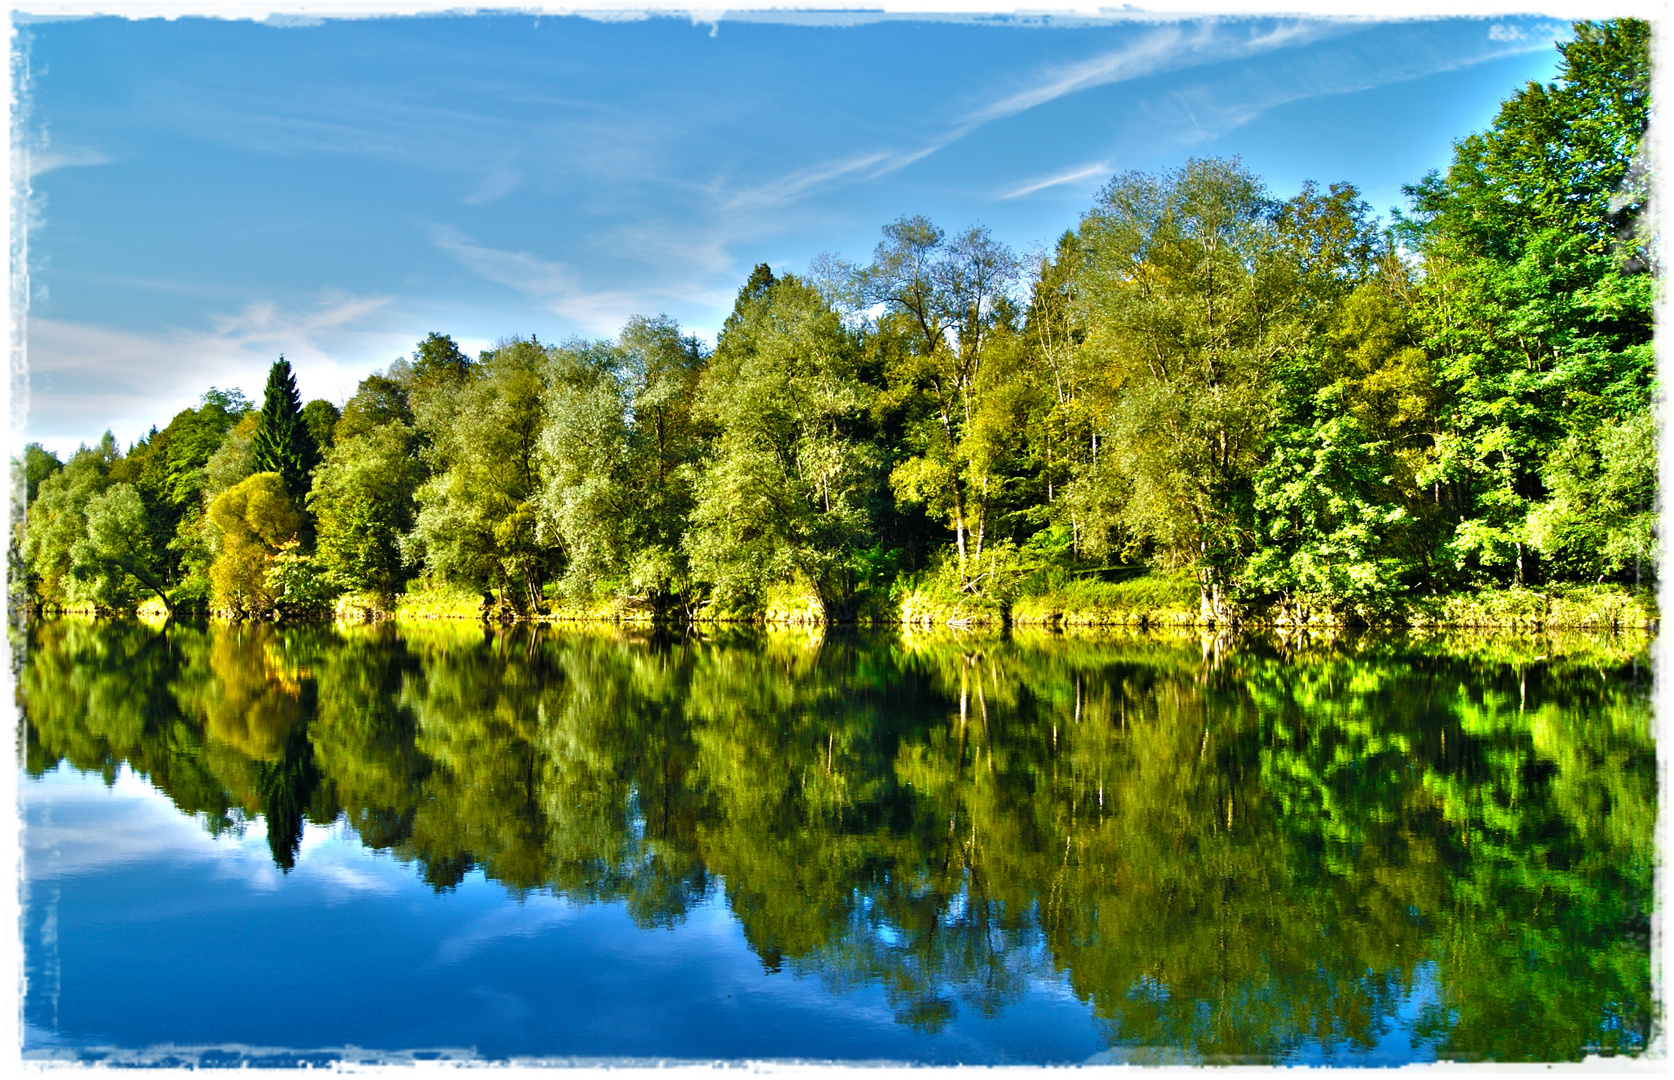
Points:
(1143, 603)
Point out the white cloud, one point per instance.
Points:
(1214, 107)
(792, 185)
(129, 380)
(528, 919)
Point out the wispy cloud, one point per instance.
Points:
(1214, 107)
(560, 289)
(534, 916)
(47, 158)
(497, 184)
(792, 185)
(1069, 177)
(1164, 48)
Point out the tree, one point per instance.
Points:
(784, 493)
(363, 503)
(320, 418)
(118, 542)
(1537, 296)
(945, 299)
(36, 464)
(282, 443)
(476, 519)
(57, 523)
(1190, 309)
(662, 368)
(617, 449)
(379, 400)
(438, 359)
(589, 502)
(257, 521)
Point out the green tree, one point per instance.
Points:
(477, 512)
(945, 300)
(57, 524)
(617, 448)
(784, 494)
(363, 503)
(320, 418)
(1537, 298)
(379, 400)
(256, 521)
(118, 543)
(1190, 313)
(282, 442)
(36, 464)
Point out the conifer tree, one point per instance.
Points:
(282, 442)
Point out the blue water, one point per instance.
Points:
(150, 940)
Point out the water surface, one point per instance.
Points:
(316, 844)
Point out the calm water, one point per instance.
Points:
(302, 845)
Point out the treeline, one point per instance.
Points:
(1240, 855)
(1282, 402)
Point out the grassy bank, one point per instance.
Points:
(1146, 602)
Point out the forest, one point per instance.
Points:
(1245, 405)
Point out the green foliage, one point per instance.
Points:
(1537, 304)
(947, 315)
(1601, 517)
(379, 401)
(616, 450)
(1320, 421)
(1330, 524)
(437, 360)
(1151, 600)
(435, 600)
(320, 418)
(36, 465)
(116, 549)
(1190, 310)
(298, 584)
(57, 527)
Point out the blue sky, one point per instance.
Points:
(207, 194)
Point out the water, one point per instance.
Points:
(310, 845)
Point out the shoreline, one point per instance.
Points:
(1588, 609)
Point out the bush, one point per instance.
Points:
(1147, 600)
(298, 584)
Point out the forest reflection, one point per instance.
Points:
(1240, 850)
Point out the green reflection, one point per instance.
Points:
(1233, 850)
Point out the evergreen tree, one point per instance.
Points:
(282, 443)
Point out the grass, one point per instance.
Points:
(1147, 600)
(428, 600)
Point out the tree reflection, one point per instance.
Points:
(1239, 850)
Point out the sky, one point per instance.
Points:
(208, 194)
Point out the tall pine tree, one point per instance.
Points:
(282, 442)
